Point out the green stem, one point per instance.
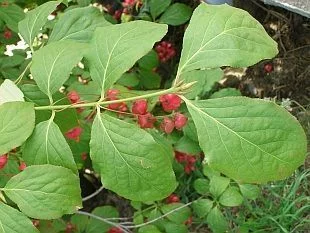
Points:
(17, 81)
(92, 104)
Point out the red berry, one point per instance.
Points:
(139, 107)
(180, 157)
(167, 125)
(146, 121)
(117, 14)
(112, 94)
(22, 166)
(74, 97)
(268, 68)
(189, 168)
(173, 198)
(180, 120)
(7, 34)
(123, 107)
(3, 161)
(191, 159)
(74, 134)
(170, 102)
(115, 230)
(114, 106)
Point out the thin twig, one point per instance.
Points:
(160, 217)
(93, 194)
(103, 220)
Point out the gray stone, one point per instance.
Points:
(299, 6)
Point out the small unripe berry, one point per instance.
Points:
(180, 120)
(139, 107)
(170, 102)
(146, 121)
(3, 161)
(167, 125)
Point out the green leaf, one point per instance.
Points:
(47, 145)
(187, 145)
(11, 15)
(66, 119)
(17, 123)
(218, 184)
(157, 7)
(115, 49)
(45, 191)
(224, 36)
(250, 191)
(180, 212)
(51, 65)
(171, 227)
(209, 172)
(202, 207)
(231, 197)
(190, 130)
(35, 20)
(226, 92)
(13, 221)
(129, 80)
(201, 186)
(149, 79)
(249, 140)
(83, 3)
(149, 61)
(95, 226)
(10, 169)
(216, 221)
(9, 92)
(78, 24)
(149, 229)
(80, 222)
(132, 163)
(205, 79)
(176, 14)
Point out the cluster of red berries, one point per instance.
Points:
(169, 102)
(115, 230)
(186, 159)
(165, 51)
(178, 121)
(112, 95)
